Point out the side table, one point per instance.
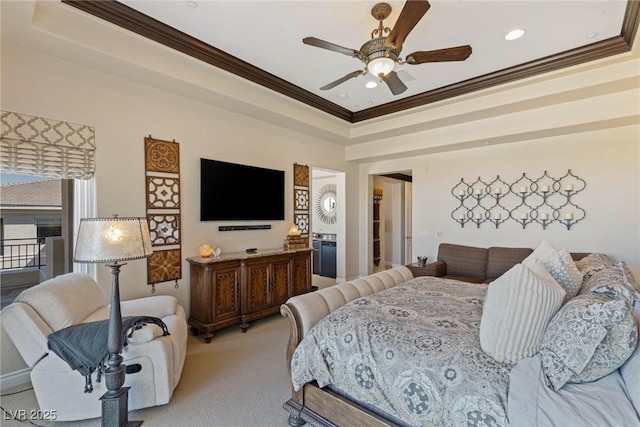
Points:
(419, 270)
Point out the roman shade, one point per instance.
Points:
(37, 146)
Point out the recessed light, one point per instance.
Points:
(592, 35)
(192, 4)
(514, 34)
(370, 102)
(342, 96)
(370, 84)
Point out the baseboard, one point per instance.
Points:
(13, 379)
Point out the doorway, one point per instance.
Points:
(328, 226)
(395, 222)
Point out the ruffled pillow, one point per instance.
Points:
(593, 263)
(629, 279)
(610, 282)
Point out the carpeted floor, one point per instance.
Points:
(237, 380)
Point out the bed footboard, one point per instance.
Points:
(327, 409)
(310, 403)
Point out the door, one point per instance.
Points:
(258, 284)
(224, 291)
(301, 273)
(408, 229)
(279, 280)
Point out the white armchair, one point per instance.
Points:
(76, 298)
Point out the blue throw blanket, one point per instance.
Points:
(84, 346)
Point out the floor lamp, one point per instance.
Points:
(112, 241)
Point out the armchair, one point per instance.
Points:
(75, 298)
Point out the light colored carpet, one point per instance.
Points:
(322, 282)
(237, 380)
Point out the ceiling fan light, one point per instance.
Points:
(381, 65)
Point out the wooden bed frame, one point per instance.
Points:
(320, 406)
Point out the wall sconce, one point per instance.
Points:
(545, 200)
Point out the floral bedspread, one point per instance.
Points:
(413, 352)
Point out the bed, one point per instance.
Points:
(393, 350)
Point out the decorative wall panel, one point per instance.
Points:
(301, 205)
(542, 200)
(162, 165)
(163, 193)
(163, 266)
(164, 229)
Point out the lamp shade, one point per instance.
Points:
(381, 65)
(112, 239)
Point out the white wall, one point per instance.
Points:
(123, 113)
(606, 159)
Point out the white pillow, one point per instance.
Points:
(543, 251)
(518, 306)
(561, 266)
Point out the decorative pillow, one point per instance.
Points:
(614, 350)
(593, 263)
(517, 309)
(629, 279)
(610, 282)
(630, 371)
(560, 265)
(574, 334)
(564, 270)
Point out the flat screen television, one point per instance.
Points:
(230, 191)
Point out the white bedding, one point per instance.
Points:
(600, 403)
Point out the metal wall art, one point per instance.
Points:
(326, 205)
(162, 165)
(544, 200)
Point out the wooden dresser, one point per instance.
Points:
(236, 288)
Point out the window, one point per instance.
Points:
(48, 228)
(31, 210)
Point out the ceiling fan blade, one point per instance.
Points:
(410, 15)
(395, 84)
(342, 80)
(312, 41)
(458, 53)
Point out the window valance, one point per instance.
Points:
(36, 146)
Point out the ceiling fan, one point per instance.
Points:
(381, 53)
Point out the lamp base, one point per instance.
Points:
(115, 410)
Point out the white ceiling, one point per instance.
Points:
(268, 34)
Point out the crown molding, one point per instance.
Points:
(139, 23)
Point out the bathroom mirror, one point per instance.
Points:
(326, 204)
